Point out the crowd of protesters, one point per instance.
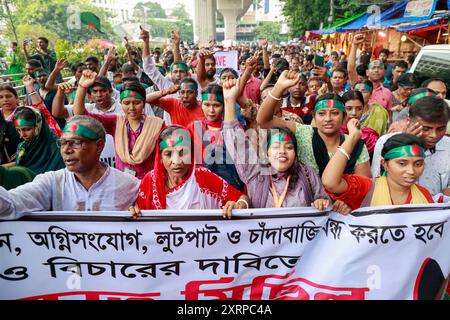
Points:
(292, 127)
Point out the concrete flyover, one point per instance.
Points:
(205, 18)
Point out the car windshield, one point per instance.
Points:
(434, 65)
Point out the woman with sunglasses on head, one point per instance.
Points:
(403, 164)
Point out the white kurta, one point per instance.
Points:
(60, 191)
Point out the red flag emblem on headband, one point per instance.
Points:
(415, 150)
(73, 127)
(330, 104)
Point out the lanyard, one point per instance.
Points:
(278, 200)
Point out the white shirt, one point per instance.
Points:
(60, 191)
(91, 108)
(436, 175)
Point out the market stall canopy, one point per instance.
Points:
(372, 21)
(439, 18)
(332, 28)
(415, 11)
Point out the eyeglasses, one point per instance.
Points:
(73, 144)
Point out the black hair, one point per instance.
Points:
(214, 89)
(24, 113)
(361, 70)
(334, 53)
(309, 57)
(134, 86)
(407, 78)
(75, 66)
(9, 88)
(428, 81)
(401, 64)
(385, 51)
(314, 79)
(294, 173)
(364, 59)
(430, 109)
(353, 95)
(342, 70)
(420, 90)
(244, 58)
(34, 63)
(43, 39)
(400, 140)
(411, 58)
(190, 81)
(92, 59)
(343, 64)
(14, 44)
(130, 79)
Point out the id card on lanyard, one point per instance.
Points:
(130, 148)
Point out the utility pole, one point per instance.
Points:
(331, 17)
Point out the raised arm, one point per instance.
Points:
(148, 65)
(175, 35)
(108, 60)
(130, 58)
(25, 50)
(250, 66)
(153, 98)
(332, 177)
(264, 44)
(51, 81)
(265, 117)
(87, 80)
(267, 79)
(351, 67)
(58, 109)
(200, 70)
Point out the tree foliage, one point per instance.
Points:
(148, 10)
(49, 18)
(180, 12)
(269, 31)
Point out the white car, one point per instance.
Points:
(434, 62)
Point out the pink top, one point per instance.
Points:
(383, 96)
(109, 122)
(252, 90)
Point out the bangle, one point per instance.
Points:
(344, 152)
(246, 203)
(80, 85)
(275, 98)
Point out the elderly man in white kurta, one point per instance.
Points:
(86, 184)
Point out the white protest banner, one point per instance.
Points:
(289, 253)
(226, 59)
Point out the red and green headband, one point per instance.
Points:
(80, 130)
(179, 65)
(229, 70)
(329, 104)
(212, 97)
(280, 137)
(172, 142)
(363, 86)
(188, 86)
(405, 151)
(421, 95)
(131, 94)
(376, 63)
(21, 122)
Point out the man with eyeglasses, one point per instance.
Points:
(86, 184)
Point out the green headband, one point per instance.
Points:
(421, 95)
(24, 123)
(280, 137)
(231, 71)
(80, 130)
(212, 97)
(405, 151)
(171, 142)
(180, 65)
(185, 86)
(376, 63)
(329, 104)
(363, 86)
(162, 70)
(303, 75)
(130, 94)
(404, 84)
